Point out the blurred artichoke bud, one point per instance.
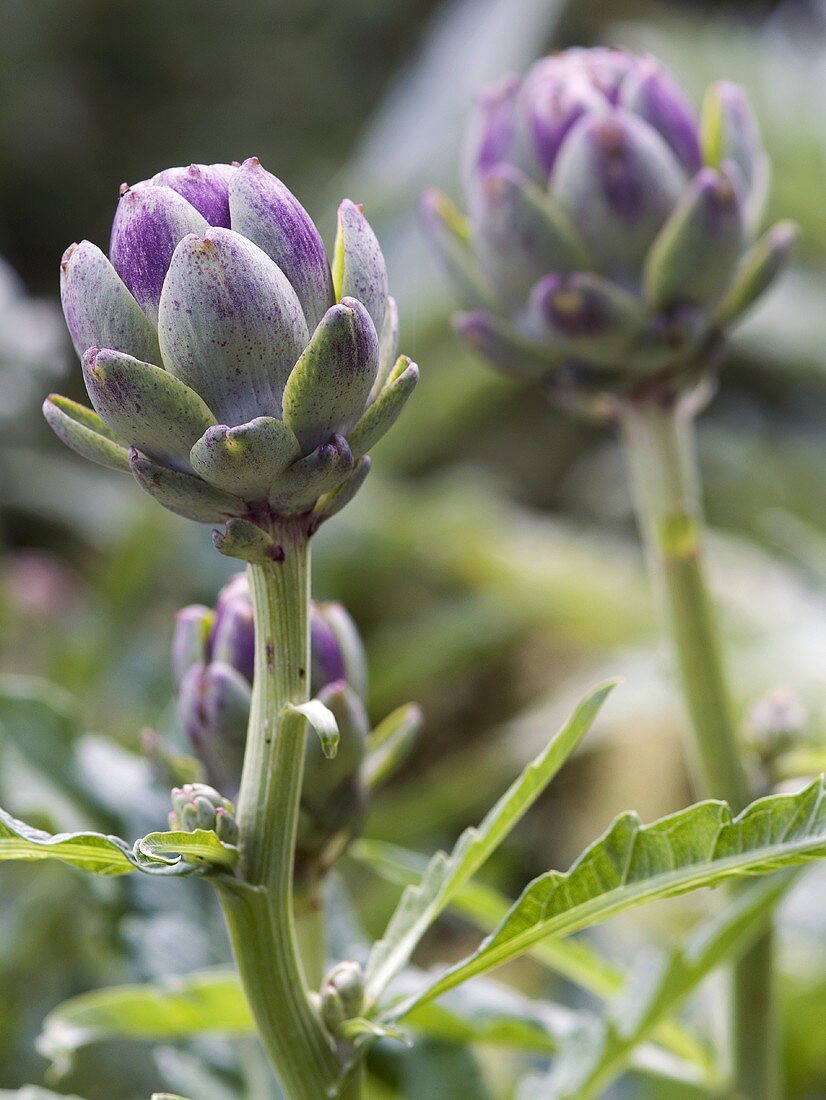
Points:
(213, 660)
(776, 722)
(342, 995)
(197, 806)
(236, 372)
(610, 238)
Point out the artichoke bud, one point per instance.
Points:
(322, 776)
(342, 995)
(198, 806)
(594, 174)
(776, 723)
(213, 707)
(227, 360)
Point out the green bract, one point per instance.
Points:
(234, 373)
(611, 236)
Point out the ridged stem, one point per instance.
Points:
(660, 446)
(259, 907)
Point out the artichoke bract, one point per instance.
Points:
(231, 368)
(213, 663)
(611, 234)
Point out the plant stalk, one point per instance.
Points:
(659, 441)
(259, 905)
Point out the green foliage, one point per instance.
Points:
(633, 864)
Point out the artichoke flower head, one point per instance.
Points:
(611, 233)
(231, 368)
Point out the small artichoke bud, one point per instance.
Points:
(342, 995)
(229, 362)
(213, 706)
(198, 806)
(594, 171)
(776, 723)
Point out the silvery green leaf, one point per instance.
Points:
(329, 386)
(99, 308)
(182, 493)
(331, 503)
(171, 1008)
(246, 459)
(757, 271)
(145, 405)
(102, 855)
(634, 863)
(386, 409)
(447, 874)
(697, 250)
(230, 325)
(323, 722)
(311, 477)
(359, 270)
(267, 212)
(173, 847)
(84, 432)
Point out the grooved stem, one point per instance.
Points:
(259, 907)
(660, 447)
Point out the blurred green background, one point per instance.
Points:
(490, 561)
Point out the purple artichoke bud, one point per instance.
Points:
(190, 640)
(337, 649)
(342, 995)
(228, 364)
(594, 172)
(198, 806)
(322, 776)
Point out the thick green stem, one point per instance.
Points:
(660, 445)
(259, 907)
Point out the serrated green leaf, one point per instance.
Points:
(420, 905)
(323, 722)
(632, 864)
(102, 855)
(572, 959)
(599, 1052)
(201, 847)
(172, 1008)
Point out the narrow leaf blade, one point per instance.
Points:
(420, 905)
